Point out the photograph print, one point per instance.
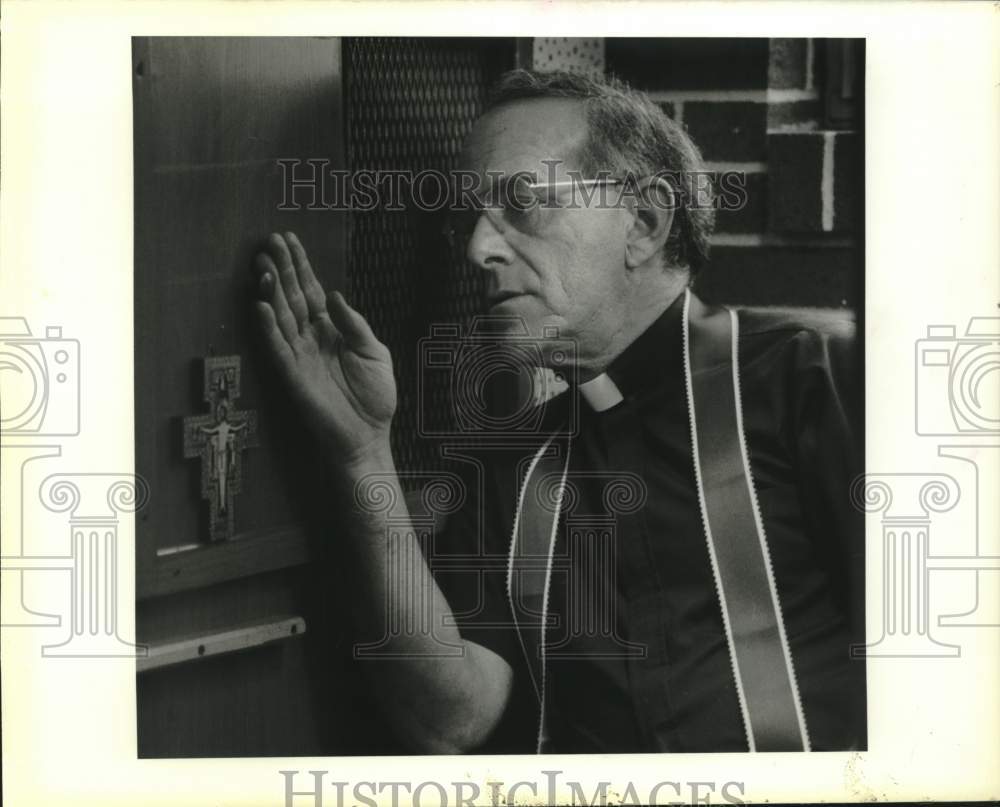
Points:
(499, 395)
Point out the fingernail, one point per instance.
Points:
(266, 286)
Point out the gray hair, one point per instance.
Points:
(629, 133)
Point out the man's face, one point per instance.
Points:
(560, 267)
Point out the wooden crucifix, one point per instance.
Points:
(219, 439)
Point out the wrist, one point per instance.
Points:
(371, 459)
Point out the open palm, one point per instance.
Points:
(335, 368)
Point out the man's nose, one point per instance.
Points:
(487, 248)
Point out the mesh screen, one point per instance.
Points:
(408, 105)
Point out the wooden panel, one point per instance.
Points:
(226, 100)
(249, 704)
(212, 117)
(306, 696)
(200, 565)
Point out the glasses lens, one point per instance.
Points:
(518, 194)
(514, 200)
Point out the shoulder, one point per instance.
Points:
(800, 354)
(801, 335)
(828, 323)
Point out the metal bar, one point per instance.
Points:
(243, 637)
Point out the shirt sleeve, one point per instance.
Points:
(470, 568)
(829, 425)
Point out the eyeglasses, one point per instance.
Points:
(517, 202)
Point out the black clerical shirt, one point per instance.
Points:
(637, 658)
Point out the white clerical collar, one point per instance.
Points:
(601, 393)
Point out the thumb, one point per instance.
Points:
(351, 324)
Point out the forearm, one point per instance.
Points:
(443, 694)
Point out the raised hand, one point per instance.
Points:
(337, 371)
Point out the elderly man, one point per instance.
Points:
(730, 592)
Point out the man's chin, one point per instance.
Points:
(513, 318)
(532, 337)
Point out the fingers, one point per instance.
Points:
(296, 299)
(273, 334)
(273, 295)
(311, 289)
(352, 326)
(288, 278)
(265, 281)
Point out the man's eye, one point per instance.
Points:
(524, 199)
(519, 195)
(523, 218)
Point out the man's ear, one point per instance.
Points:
(651, 203)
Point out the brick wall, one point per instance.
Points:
(786, 112)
